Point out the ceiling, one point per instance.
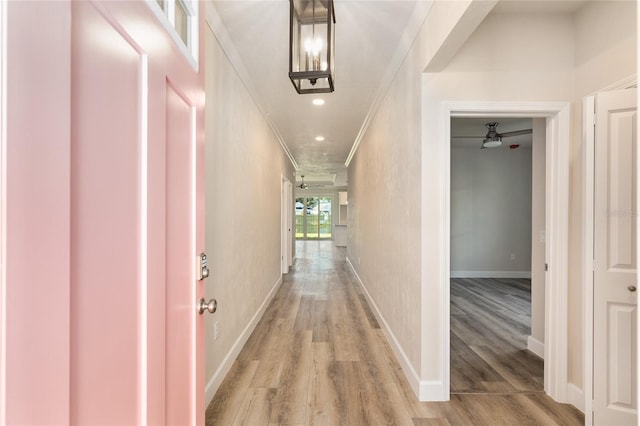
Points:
(372, 39)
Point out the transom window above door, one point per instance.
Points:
(180, 18)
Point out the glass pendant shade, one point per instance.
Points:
(311, 45)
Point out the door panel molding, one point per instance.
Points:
(106, 208)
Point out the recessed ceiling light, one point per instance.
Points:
(319, 138)
(318, 101)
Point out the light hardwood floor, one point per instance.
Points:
(319, 357)
(490, 322)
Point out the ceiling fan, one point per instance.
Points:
(303, 185)
(493, 139)
(306, 186)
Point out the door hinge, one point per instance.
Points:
(546, 267)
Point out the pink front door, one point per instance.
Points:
(135, 224)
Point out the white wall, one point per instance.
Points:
(490, 212)
(244, 165)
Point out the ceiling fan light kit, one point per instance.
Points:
(493, 139)
(492, 142)
(311, 45)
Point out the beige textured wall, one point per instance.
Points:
(244, 165)
(384, 213)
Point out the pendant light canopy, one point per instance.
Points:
(311, 45)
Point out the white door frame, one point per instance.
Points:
(285, 225)
(588, 139)
(290, 223)
(557, 228)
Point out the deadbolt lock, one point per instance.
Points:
(201, 267)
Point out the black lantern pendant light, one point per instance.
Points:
(311, 45)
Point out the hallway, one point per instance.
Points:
(318, 356)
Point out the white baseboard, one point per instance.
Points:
(433, 391)
(575, 396)
(535, 346)
(491, 274)
(424, 390)
(216, 380)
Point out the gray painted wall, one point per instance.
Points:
(490, 212)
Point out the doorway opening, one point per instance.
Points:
(497, 254)
(557, 135)
(314, 218)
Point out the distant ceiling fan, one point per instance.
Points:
(303, 185)
(306, 186)
(493, 139)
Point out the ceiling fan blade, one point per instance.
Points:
(516, 133)
(467, 137)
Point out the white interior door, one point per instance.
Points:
(615, 263)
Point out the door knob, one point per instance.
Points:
(631, 288)
(211, 306)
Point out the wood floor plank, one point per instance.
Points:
(226, 405)
(488, 337)
(562, 414)
(321, 408)
(304, 316)
(290, 401)
(320, 321)
(271, 363)
(382, 403)
(373, 322)
(256, 408)
(495, 410)
(519, 379)
(348, 400)
(431, 422)
(319, 357)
